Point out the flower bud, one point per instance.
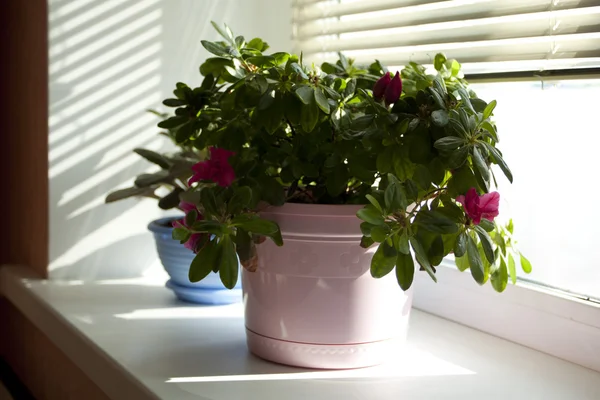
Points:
(393, 90)
(381, 85)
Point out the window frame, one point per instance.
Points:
(545, 319)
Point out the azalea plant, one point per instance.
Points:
(416, 149)
(175, 171)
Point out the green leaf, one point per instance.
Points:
(305, 94)
(462, 263)
(379, 233)
(262, 61)
(350, 89)
(172, 122)
(412, 192)
(438, 61)
(435, 222)
(280, 57)
(256, 43)
(497, 157)
(403, 167)
(128, 192)
(210, 226)
(487, 225)
(277, 238)
(185, 132)
(215, 66)
(181, 234)
(215, 48)
(309, 116)
(395, 198)
(486, 243)
(479, 105)
(451, 210)
(462, 180)
(401, 243)
(207, 199)
(422, 257)
(525, 264)
(490, 129)
(365, 228)
(480, 164)
(383, 260)
(366, 242)
(239, 41)
(440, 118)
(436, 250)
(385, 160)
(171, 200)
(464, 97)
(191, 217)
(512, 268)
(458, 157)
(298, 69)
(240, 200)
(499, 277)
(228, 271)
(145, 180)
(449, 143)
(207, 258)
(321, 100)
(174, 102)
(332, 93)
(225, 33)
(375, 202)
(454, 67)
(258, 83)
(460, 246)
(487, 112)
(371, 215)
(255, 224)
(271, 191)
(337, 181)
(422, 177)
(405, 270)
(477, 268)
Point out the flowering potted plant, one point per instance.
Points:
(172, 178)
(351, 173)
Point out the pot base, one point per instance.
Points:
(205, 296)
(323, 356)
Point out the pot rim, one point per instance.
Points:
(157, 227)
(315, 210)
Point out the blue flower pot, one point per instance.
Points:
(177, 259)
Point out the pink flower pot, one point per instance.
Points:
(313, 303)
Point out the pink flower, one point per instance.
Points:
(216, 169)
(477, 207)
(393, 90)
(381, 85)
(195, 238)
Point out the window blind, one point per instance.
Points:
(486, 36)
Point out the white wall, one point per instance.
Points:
(109, 62)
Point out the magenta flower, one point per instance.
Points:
(381, 85)
(393, 90)
(195, 238)
(477, 207)
(216, 169)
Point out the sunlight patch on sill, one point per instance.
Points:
(192, 312)
(414, 363)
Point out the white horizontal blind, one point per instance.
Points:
(484, 35)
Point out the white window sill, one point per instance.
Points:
(136, 342)
(546, 320)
